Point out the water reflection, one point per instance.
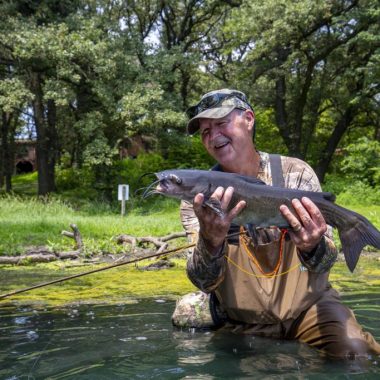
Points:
(193, 346)
(137, 341)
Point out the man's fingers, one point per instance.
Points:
(227, 196)
(290, 217)
(218, 193)
(236, 210)
(303, 214)
(307, 223)
(197, 203)
(314, 212)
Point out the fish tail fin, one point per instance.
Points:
(355, 237)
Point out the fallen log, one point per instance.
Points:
(30, 258)
(76, 235)
(43, 254)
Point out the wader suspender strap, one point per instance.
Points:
(276, 169)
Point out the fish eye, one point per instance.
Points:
(175, 178)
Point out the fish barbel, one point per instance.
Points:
(263, 202)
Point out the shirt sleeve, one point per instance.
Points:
(322, 258)
(204, 270)
(299, 175)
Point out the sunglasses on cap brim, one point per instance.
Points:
(214, 100)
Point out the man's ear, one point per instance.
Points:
(250, 117)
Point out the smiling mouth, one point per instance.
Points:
(220, 146)
(220, 142)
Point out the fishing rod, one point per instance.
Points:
(155, 255)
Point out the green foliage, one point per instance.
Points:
(362, 161)
(267, 137)
(146, 110)
(70, 178)
(115, 69)
(351, 192)
(186, 152)
(179, 151)
(359, 193)
(13, 94)
(131, 170)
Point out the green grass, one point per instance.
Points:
(25, 184)
(29, 222)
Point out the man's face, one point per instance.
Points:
(227, 139)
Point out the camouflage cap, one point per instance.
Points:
(215, 105)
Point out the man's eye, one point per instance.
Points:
(205, 132)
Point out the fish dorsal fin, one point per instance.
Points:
(328, 196)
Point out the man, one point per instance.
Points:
(265, 282)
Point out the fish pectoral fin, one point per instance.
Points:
(215, 206)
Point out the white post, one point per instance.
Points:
(123, 195)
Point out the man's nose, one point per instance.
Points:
(214, 132)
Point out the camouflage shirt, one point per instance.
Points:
(206, 271)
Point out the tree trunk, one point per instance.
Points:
(44, 120)
(332, 143)
(2, 149)
(280, 111)
(53, 139)
(7, 151)
(10, 158)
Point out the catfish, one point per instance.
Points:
(263, 202)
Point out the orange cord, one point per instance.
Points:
(244, 242)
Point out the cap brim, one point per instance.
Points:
(210, 113)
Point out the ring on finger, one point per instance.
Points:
(297, 228)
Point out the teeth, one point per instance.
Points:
(220, 142)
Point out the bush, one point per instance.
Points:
(362, 161)
(360, 193)
(71, 178)
(352, 192)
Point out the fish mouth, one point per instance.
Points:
(162, 186)
(166, 184)
(151, 189)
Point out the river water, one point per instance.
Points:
(136, 340)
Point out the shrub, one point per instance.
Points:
(352, 192)
(70, 178)
(362, 161)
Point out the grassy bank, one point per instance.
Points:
(26, 222)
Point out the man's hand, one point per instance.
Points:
(308, 224)
(214, 228)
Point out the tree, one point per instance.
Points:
(299, 58)
(13, 98)
(94, 73)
